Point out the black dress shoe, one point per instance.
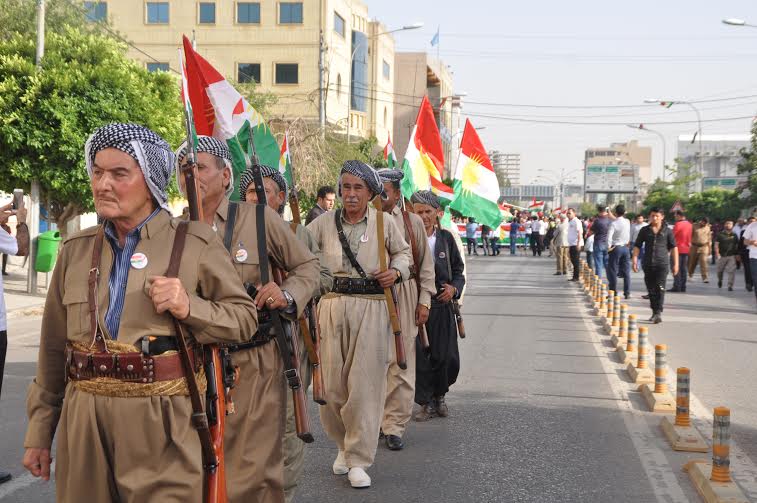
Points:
(646, 297)
(4, 476)
(557, 274)
(394, 443)
(673, 290)
(656, 319)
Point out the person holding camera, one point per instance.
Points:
(10, 245)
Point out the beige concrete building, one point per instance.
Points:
(419, 74)
(623, 153)
(277, 45)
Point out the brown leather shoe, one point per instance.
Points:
(426, 413)
(441, 407)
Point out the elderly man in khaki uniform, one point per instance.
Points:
(413, 309)
(354, 318)
(253, 439)
(277, 191)
(125, 424)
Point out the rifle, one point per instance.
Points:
(454, 303)
(310, 329)
(286, 342)
(209, 421)
(390, 294)
(422, 335)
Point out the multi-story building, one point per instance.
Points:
(620, 172)
(721, 155)
(506, 165)
(522, 195)
(623, 153)
(278, 45)
(418, 74)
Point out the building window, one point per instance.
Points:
(248, 13)
(359, 80)
(158, 67)
(339, 24)
(248, 72)
(287, 73)
(157, 12)
(207, 13)
(290, 13)
(96, 11)
(387, 70)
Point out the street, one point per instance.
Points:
(541, 411)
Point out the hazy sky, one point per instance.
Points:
(587, 53)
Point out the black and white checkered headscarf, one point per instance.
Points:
(266, 172)
(365, 173)
(209, 145)
(389, 175)
(426, 197)
(152, 153)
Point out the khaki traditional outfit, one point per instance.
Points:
(253, 440)
(700, 249)
(400, 384)
(357, 337)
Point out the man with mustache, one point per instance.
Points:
(254, 433)
(355, 327)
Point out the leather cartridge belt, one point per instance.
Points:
(264, 335)
(132, 367)
(356, 286)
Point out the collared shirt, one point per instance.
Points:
(620, 232)
(470, 230)
(728, 243)
(9, 246)
(589, 246)
(682, 232)
(751, 234)
(657, 245)
(432, 241)
(120, 271)
(354, 233)
(575, 230)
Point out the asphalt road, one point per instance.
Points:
(541, 412)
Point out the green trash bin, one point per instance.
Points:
(47, 251)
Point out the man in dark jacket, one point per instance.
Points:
(323, 203)
(434, 375)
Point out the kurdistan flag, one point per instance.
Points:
(220, 111)
(285, 161)
(476, 187)
(389, 156)
(424, 159)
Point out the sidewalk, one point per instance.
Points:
(17, 301)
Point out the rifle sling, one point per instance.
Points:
(94, 276)
(231, 220)
(285, 346)
(346, 245)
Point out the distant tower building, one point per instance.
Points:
(507, 165)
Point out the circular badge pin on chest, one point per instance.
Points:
(138, 260)
(240, 255)
(442, 255)
(364, 238)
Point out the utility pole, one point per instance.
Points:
(31, 278)
(321, 87)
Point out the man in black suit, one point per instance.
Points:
(323, 203)
(435, 374)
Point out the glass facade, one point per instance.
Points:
(359, 80)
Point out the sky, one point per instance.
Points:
(603, 57)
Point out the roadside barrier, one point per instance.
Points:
(681, 435)
(660, 399)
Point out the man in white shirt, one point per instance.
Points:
(750, 241)
(618, 238)
(636, 226)
(575, 240)
(10, 245)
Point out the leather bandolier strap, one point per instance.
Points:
(346, 245)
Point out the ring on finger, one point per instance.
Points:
(269, 300)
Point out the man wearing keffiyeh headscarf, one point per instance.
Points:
(355, 327)
(122, 411)
(413, 311)
(253, 438)
(434, 375)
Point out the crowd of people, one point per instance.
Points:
(615, 246)
(116, 386)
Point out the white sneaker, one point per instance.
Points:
(340, 465)
(358, 478)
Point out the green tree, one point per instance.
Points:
(748, 190)
(587, 209)
(46, 115)
(715, 204)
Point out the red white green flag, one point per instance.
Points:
(220, 111)
(536, 205)
(475, 185)
(285, 160)
(389, 156)
(424, 159)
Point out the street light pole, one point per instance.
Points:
(413, 26)
(641, 127)
(699, 125)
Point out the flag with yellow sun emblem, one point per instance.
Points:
(475, 184)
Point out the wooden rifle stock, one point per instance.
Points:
(390, 295)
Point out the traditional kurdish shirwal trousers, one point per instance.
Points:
(434, 375)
